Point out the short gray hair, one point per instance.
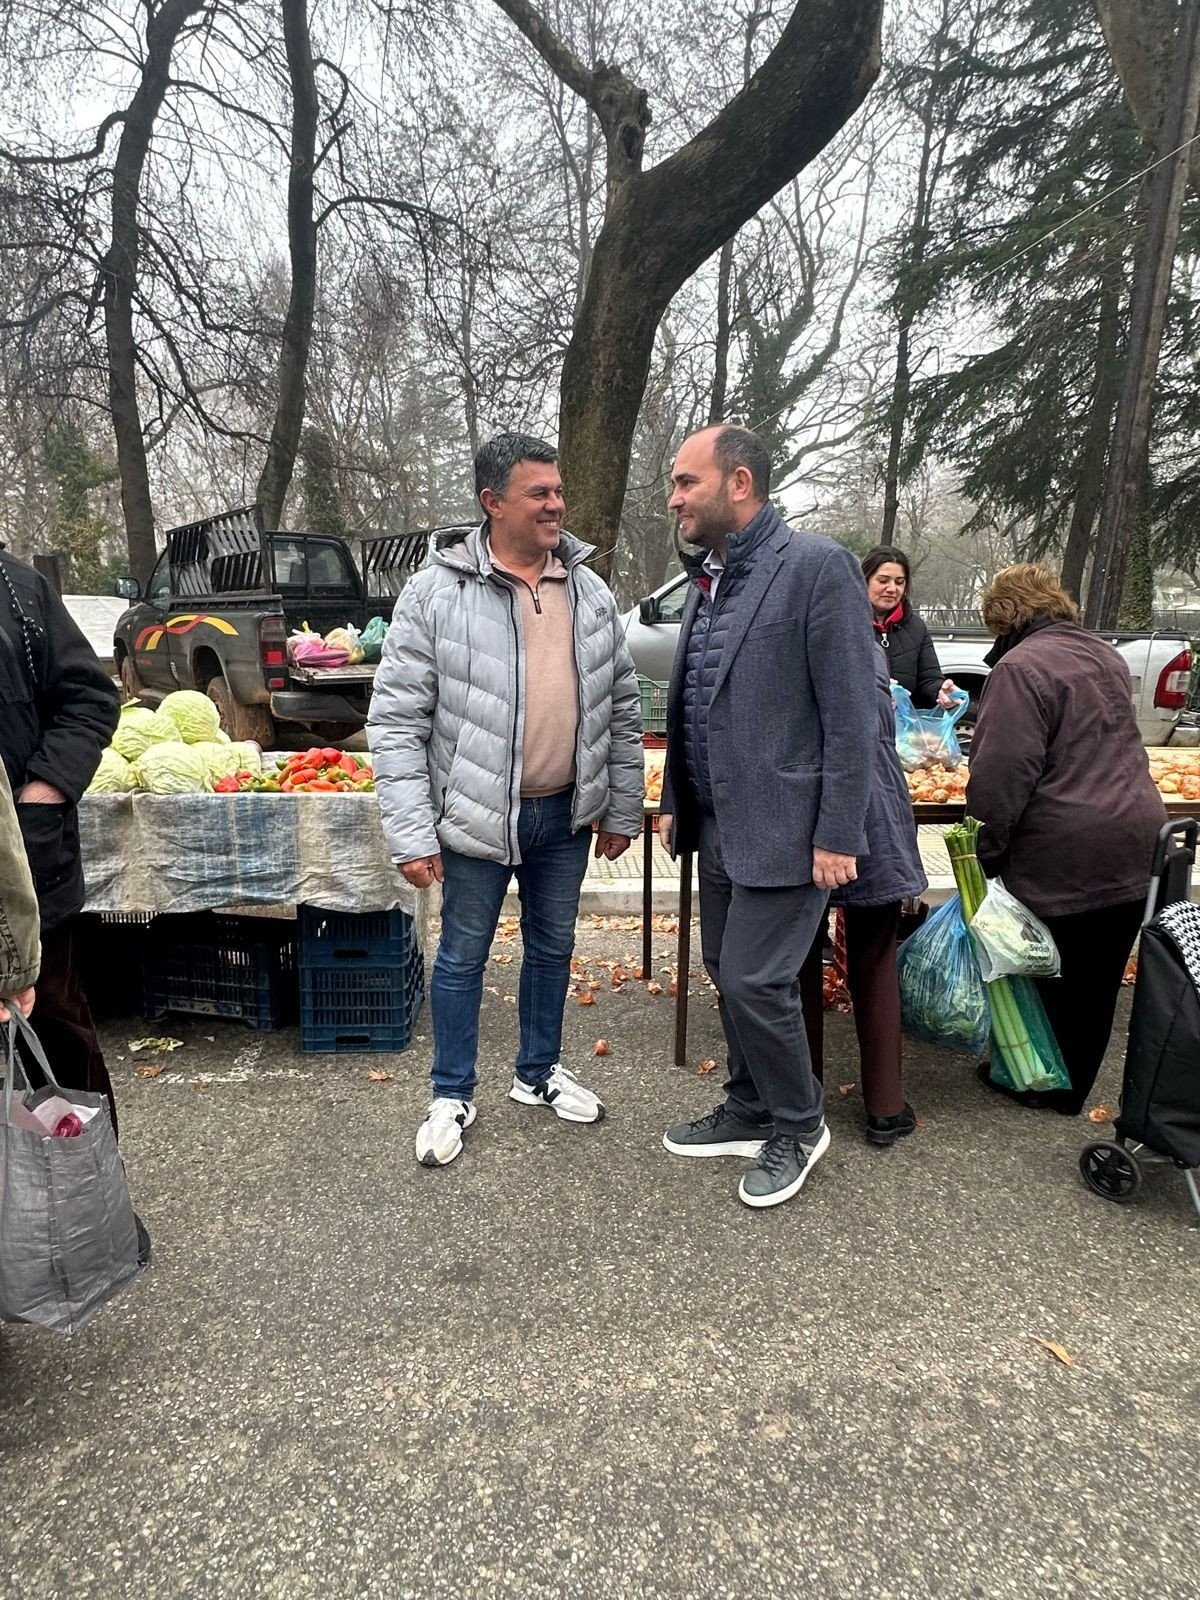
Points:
(501, 453)
(736, 447)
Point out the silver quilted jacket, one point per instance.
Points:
(447, 710)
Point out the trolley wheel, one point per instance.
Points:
(1110, 1170)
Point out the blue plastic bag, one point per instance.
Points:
(926, 738)
(942, 998)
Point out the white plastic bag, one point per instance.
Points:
(1009, 940)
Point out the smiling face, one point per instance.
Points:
(709, 505)
(885, 588)
(527, 517)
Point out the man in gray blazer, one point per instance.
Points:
(770, 741)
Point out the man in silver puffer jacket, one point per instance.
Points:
(505, 722)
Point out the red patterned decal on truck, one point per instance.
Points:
(149, 637)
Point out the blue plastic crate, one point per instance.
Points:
(368, 938)
(243, 968)
(357, 1007)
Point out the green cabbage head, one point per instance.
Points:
(193, 714)
(114, 775)
(173, 769)
(138, 729)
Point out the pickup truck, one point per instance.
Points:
(1160, 664)
(219, 607)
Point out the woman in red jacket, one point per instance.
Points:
(1070, 814)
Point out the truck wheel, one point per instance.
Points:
(131, 684)
(239, 721)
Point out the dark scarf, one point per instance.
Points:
(1008, 641)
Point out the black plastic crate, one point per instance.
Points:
(109, 953)
(369, 938)
(357, 1007)
(217, 966)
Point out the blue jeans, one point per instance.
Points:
(553, 862)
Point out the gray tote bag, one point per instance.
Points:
(68, 1242)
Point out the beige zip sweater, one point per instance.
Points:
(551, 683)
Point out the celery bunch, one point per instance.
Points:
(1012, 1002)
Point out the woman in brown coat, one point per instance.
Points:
(1070, 814)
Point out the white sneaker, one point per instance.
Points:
(439, 1138)
(564, 1096)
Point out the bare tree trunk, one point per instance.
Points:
(716, 406)
(1140, 35)
(1089, 472)
(302, 245)
(119, 276)
(1129, 455)
(660, 226)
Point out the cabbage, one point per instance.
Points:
(193, 714)
(220, 760)
(249, 755)
(173, 769)
(138, 729)
(114, 775)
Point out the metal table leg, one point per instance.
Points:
(648, 830)
(683, 959)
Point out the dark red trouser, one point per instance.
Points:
(63, 1021)
(875, 990)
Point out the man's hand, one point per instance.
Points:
(424, 871)
(831, 871)
(611, 845)
(665, 824)
(37, 793)
(948, 695)
(23, 1002)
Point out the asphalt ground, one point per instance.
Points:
(572, 1365)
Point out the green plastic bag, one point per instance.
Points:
(371, 639)
(1041, 1036)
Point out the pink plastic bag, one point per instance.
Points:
(310, 650)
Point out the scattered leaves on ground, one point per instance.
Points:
(156, 1044)
(377, 1075)
(586, 997)
(654, 988)
(706, 1066)
(149, 1069)
(1100, 1114)
(1055, 1349)
(600, 1048)
(1130, 975)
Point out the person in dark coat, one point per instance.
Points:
(1060, 781)
(904, 638)
(770, 709)
(890, 872)
(20, 942)
(60, 711)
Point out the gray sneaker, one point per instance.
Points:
(781, 1169)
(720, 1133)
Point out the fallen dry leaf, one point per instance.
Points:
(846, 1088)
(587, 998)
(156, 1044)
(149, 1069)
(654, 988)
(672, 987)
(600, 1048)
(593, 983)
(377, 1075)
(638, 973)
(707, 1066)
(619, 975)
(1055, 1349)
(576, 965)
(1100, 1114)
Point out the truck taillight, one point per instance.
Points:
(272, 642)
(1174, 681)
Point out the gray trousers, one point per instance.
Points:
(754, 942)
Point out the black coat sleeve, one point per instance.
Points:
(78, 703)
(930, 676)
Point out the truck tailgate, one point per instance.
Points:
(333, 677)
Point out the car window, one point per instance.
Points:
(670, 605)
(328, 565)
(159, 586)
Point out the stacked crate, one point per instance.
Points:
(362, 980)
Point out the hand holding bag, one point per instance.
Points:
(68, 1239)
